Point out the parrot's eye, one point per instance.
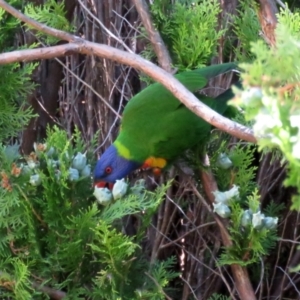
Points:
(108, 170)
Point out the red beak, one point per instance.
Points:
(103, 184)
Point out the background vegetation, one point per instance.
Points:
(165, 239)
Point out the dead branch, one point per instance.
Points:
(240, 274)
(52, 293)
(163, 56)
(268, 20)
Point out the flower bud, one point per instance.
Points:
(39, 147)
(258, 220)
(86, 171)
(79, 161)
(32, 164)
(222, 210)
(246, 219)
(119, 189)
(270, 222)
(220, 197)
(224, 197)
(103, 195)
(54, 163)
(223, 161)
(35, 180)
(73, 174)
(252, 96)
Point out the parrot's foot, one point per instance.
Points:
(156, 171)
(154, 163)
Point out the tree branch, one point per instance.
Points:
(163, 56)
(268, 20)
(85, 47)
(52, 293)
(240, 274)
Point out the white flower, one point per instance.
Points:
(222, 210)
(86, 171)
(103, 195)
(246, 218)
(265, 122)
(224, 197)
(270, 222)
(295, 120)
(32, 164)
(79, 161)
(258, 220)
(220, 197)
(54, 163)
(252, 96)
(73, 174)
(119, 189)
(35, 180)
(224, 162)
(296, 150)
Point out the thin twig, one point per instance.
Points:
(103, 26)
(158, 285)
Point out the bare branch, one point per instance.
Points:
(267, 17)
(52, 293)
(89, 48)
(163, 56)
(240, 274)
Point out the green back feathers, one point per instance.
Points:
(155, 123)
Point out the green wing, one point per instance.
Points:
(155, 123)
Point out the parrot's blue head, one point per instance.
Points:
(112, 166)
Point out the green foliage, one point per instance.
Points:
(243, 170)
(8, 26)
(51, 13)
(51, 228)
(15, 83)
(218, 297)
(189, 31)
(159, 276)
(246, 27)
(250, 242)
(272, 97)
(251, 236)
(290, 21)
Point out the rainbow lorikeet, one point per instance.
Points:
(156, 127)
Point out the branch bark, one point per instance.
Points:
(268, 20)
(163, 56)
(240, 274)
(52, 293)
(89, 48)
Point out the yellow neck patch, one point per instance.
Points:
(122, 150)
